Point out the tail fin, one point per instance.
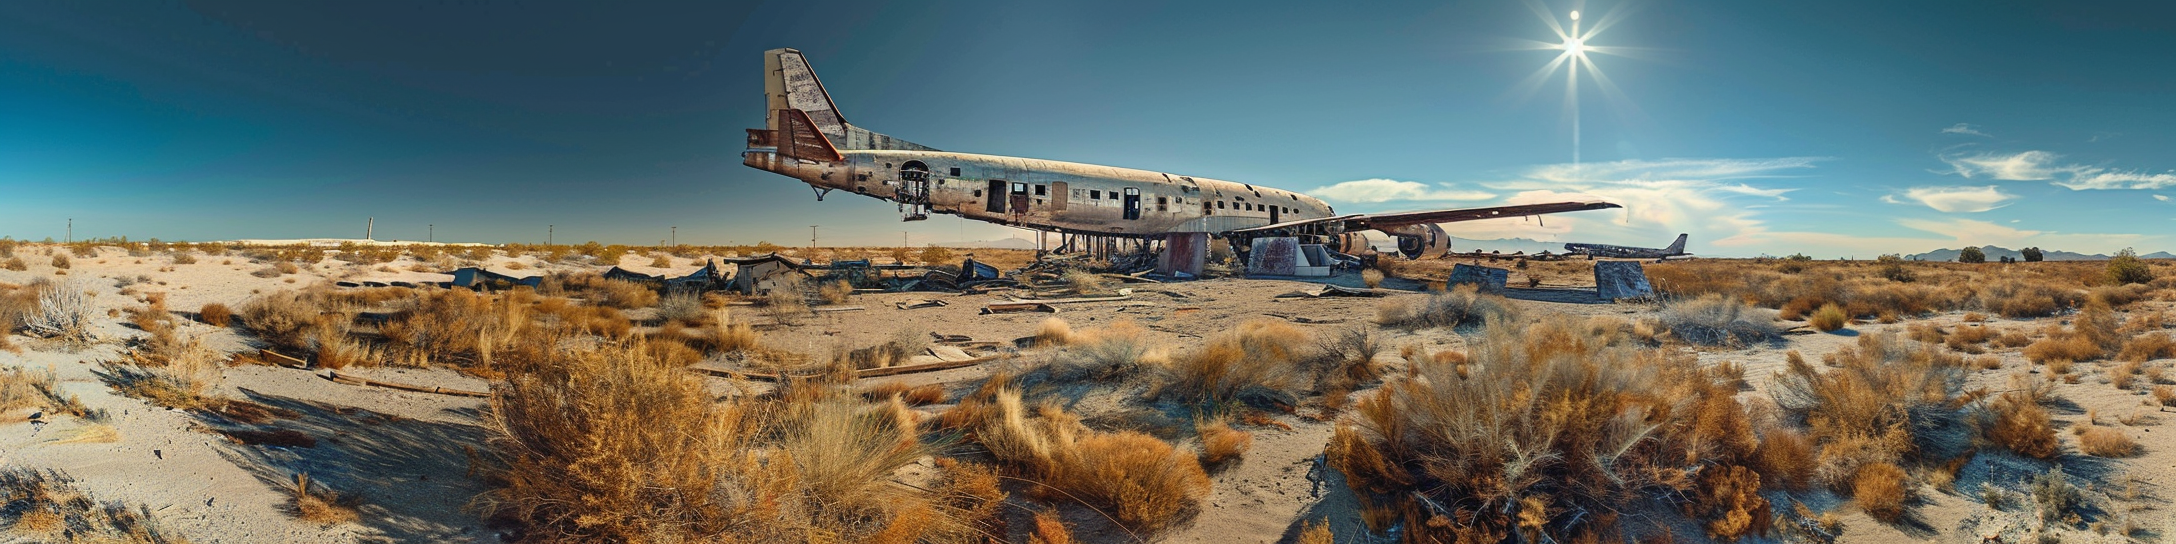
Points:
(790, 84)
(1677, 246)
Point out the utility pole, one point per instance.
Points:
(676, 236)
(370, 229)
(433, 236)
(812, 238)
(548, 233)
(71, 231)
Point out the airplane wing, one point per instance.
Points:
(1385, 221)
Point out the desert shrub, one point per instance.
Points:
(1343, 362)
(1714, 320)
(1053, 331)
(461, 327)
(215, 314)
(283, 319)
(903, 344)
(1372, 277)
(1220, 443)
(2147, 347)
(1882, 490)
(16, 264)
(835, 292)
(1729, 497)
(2013, 339)
(2053, 495)
(1971, 255)
(47, 506)
(1256, 364)
(60, 261)
(577, 455)
(2016, 421)
(2102, 441)
(1463, 306)
(24, 388)
(788, 299)
(2065, 347)
(1143, 483)
(1830, 317)
(2016, 298)
(682, 306)
(169, 369)
(1883, 402)
(62, 311)
(184, 258)
(1543, 422)
(1113, 352)
(2127, 268)
(1049, 529)
(1786, 457)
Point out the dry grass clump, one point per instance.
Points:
(46, 506)
(1257, 364)
(1883, 402)
(24, 388)
(282, 319)
(787, 302)
(1830, 317)
(2147, 347)
(1085, 282)
(16, 264)
(1372, 277)
(471, 330)
(1716, 321)
(2053, 495)
(577, 455)
(1462, 306)
(215, 314)
(1112, 352)
(169, 369)
(1542, 423)
(1882, 490)
(1143, 483)
(2016, 421)
(835, 292)
(60, 261)
(1220, 443)
(1049, 529)
(2103, 441)
(682, 306)
(597, 291)
(320, 506)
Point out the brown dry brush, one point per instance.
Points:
(47, 506)
(1144, 484)
(1548, 430)
(1258, 364)
(1893, 288)
(1886, 402)
(577, 454)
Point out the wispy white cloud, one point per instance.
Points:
(2044, 166)
(2163, 198)
(1965, 129)
(1669, 169)
(1387, 190)
(1956, 199)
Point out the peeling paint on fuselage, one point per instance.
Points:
(1093, 199)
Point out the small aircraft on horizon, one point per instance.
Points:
(1592, 251)
(806, 138)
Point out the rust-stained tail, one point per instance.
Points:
(790, 84)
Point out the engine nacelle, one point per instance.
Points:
(1351, 243)
(1422, 241)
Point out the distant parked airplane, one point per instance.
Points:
(807, 139)
(1676, 249)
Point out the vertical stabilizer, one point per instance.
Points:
(1676, 247)
(790, 84)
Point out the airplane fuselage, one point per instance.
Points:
(1046, 195)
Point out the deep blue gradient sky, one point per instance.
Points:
(1831, 128)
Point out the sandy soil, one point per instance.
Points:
(405, 454)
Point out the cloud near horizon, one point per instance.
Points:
(1386, 190)
(2043, 166)
(1956, 199)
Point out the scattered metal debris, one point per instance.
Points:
(1615, 280)
(919, 303)
(1018, 307)
(1490, 280)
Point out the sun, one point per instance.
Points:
(1575, 46)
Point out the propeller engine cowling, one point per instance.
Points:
(1427, 243)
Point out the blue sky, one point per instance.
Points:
(1830, 128)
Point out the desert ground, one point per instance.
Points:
(185, 393)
